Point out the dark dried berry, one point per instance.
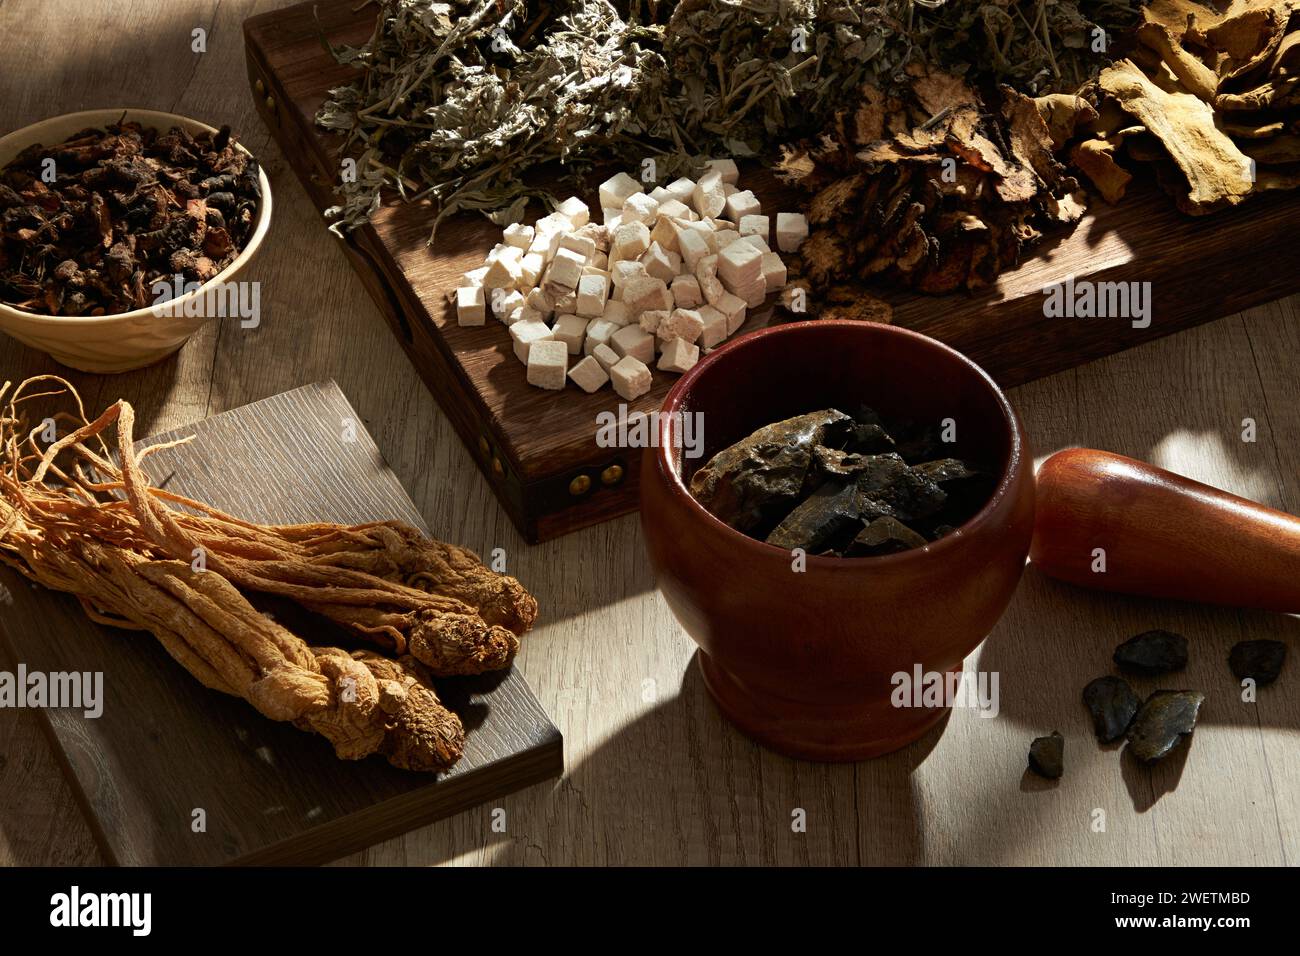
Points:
(1047, 756)
(1260, 661)
(1166, 717)
(1153, 652)
(1112, 703)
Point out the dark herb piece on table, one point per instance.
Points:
(1113, 704)
(1047, 756)
(1165, 718)
(128, 206)
(1260, 661)
(840, 485)
(1152, 652)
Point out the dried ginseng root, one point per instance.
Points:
(127, 560)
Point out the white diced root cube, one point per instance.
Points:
(646, 292)
(592, 290)
(632, 341)
(616, 312)
(631, 239)
(659, 194)
(517, 234)
(471, 305)
(664, 234)
(791, 230)
(726, 168)
(741, 204)
(588, 375)
(686, 292)
(548, 362)
(504, 268)
(527, 334)
(473, 277)
(566, 302)
(709, 197)
(641, 208)
(679, 355)
(599, 332)
(773, 271)
(755, 226)
(503, 302)
(739, 265)
(541, 301)
(733, 308)
(584, 246)
(615, 190)
(754, 293)
(681, 189)
(571, 330)
(674, 209)
(531, 268)
(566, 270)
(625, 270)
(606, 356)
(725, 237)
(681, 324)
(631, 377)
(661, 264)
(576, 211)
(715, 327)
(758, 242)
(650, 321)
(613, 218)
(693, 246)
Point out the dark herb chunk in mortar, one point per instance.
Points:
(1153, 652)
(826, 483)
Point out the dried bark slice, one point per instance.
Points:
(1217, 173)
(1113, 704)
(1165, 718)
(1260, 661)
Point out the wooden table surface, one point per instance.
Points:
(653, 774)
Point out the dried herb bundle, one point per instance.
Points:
(73, 521)
(458, 99)
(127, 206)
(938, 189)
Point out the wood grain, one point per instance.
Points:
(165, 748)
(531, 444)
(653, 775)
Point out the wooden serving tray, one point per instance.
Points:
(538, 449)
(165, 746)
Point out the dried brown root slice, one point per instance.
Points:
(1216, 171)
(398, 552)
(403, 618)
(448, 644)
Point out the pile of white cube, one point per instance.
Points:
(669, 273)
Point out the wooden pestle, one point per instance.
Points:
(1163, 535)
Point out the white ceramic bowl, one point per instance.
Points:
(127, 340)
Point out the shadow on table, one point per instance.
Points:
(680, 786)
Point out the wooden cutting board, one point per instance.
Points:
(538, 449)
(166, 747)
